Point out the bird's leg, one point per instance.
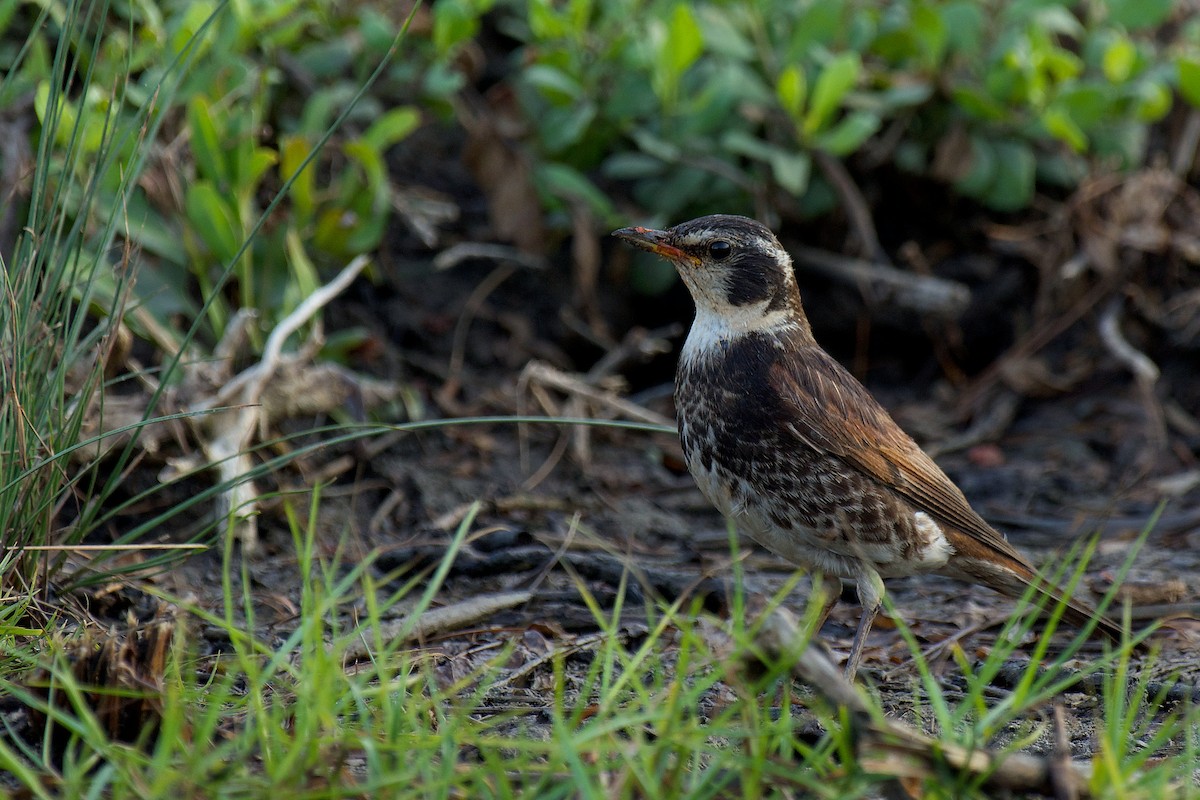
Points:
(826, 589)
(870, 596)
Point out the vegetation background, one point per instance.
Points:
(335, 450)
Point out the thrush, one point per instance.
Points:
(797, 453)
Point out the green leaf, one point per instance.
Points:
(252, 167)
(655, 145)
(1087, 103)
(685, 41)
(1135, 14)
(293, 149)
(454, 21)
(327, 60)
(62, 117)
(792, 89)
(631, 166)
(964, 26)
(929, 29)
(791, 170)
(206, 143)
(837, 78)
(723, 34)
(545, 23)
(1153, 101)
(901, 95)
(982, 170)
(1119, 58)
(1013, 187)
(557, 86)
(1189, 80)
(681, 188)
(303, 278)
(371, 161)
(7, 9)
(562, 181)
(1060, 125)
(1061, 64)
(815, 26)
(392, 127)
(746, 144)
(212, 218)
(978, 104)
(333, 229)
(848, 134)
(564, 127)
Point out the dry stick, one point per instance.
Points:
(578, 645)
(549, 408)
(1145, 371)
(538, 376)
(235, 427)
(889, 747)
(465, 251)
(545, 375)
(1033, 341)
(924, 294)
(446, 394)
(436, 620)
(1064, 779)
(1184, 155)
(854, 204)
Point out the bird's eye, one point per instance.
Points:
(720, 249)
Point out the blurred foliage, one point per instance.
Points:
(265, 83)
(703, 106)
(685, 107)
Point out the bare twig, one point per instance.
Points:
(885, 284)
(1035, 340)
(465, 251)
(857, 210)
(435, 621)
(244, 411)
(889, 747)
(1137, 362)
(1145, 371)
(1184, 154)
(547, 376)
(1064, 779)
(446, 395)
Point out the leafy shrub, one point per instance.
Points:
(265, 84)
(703, 106)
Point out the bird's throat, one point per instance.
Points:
(714, 332)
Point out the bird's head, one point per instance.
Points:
(736, 270)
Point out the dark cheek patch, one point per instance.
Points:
(752, 279)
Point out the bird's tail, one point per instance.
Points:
(1011, 577)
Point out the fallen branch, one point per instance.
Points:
(888, 747)
(885, 285)
(244, 411)
(434, 621)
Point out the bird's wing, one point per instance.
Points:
(830, 411)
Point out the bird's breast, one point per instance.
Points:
(805, 504)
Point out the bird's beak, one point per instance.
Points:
(655, 242)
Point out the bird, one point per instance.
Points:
(788, 445)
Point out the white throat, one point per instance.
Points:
(713, 332)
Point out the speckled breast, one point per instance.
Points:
(804, 504)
